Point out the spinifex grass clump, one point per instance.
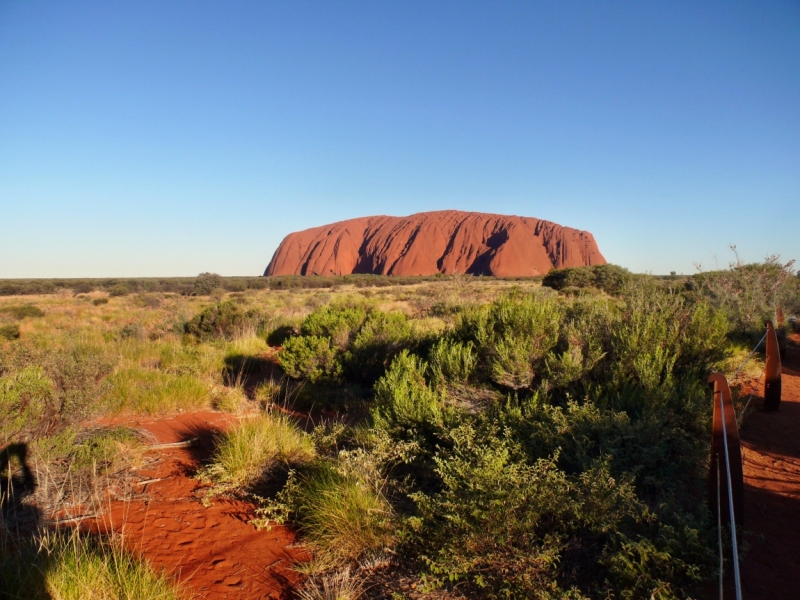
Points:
(341, 514)
(69, 565)
(250, 452)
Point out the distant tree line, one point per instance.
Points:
(202, 285)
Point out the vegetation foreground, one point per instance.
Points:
(483, 438)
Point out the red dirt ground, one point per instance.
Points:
(215, 552)
(771, 456)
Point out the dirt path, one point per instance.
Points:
(771, 456)
(214, 551)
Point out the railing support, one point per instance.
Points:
(723, 409)
(772, 378)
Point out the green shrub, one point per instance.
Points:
(310, 357)
(339, 322)
(514, 336)
(250, 452)
(403, 399)
(223, 321)
(279, 335)
(609, 278)
(379, 339)
(9, 332)
(117, 290)
(206, 283)
(22, 311)
(100, 301)
(750, 294)
(452, 362)
(509, 527)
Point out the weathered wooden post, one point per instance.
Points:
(723, 410)
(772, 372)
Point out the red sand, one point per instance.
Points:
(446, 241)
(214, 551)
(771, 455)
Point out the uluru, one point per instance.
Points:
(447, 241)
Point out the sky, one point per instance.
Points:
(154, 138)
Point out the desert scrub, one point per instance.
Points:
(69, 565)
(341, 511)
(25, 396)
(106, 449)
(226, 320)
(506, 526)
(150, 392)
(9, 332)
(22, 311)
(310, 357)
(251, 452)
(452, 362)
(513, 336)
(345, 341)
(403, 400)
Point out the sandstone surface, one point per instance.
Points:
(446, 241)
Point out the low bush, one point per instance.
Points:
(224, 321)
(310, 357)
(346, 340)
(750, 294)
(608, 278)
(9, 332)
(118, 290)
(100, 301)
(206, 283)
(22, 311)
(404, 401)
(338, 322)
(452, 362)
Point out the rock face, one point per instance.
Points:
(446, 241)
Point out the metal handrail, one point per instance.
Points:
(772, 399)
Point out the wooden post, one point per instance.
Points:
(722, 395)
(772, 373)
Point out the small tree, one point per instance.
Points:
(750, 293)
(206, 283)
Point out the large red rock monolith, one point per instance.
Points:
(447, 241)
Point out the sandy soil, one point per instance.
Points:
(215, 552)
(771, 456)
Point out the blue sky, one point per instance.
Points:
(170, 138)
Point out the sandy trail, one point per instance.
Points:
(215, 552)
(771, 456)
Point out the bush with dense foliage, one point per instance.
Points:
(609, 278)
(22, 311)
(583, 476)
(750, 294)
(346, 340)
(224, 321)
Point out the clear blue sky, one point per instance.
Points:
(169, 138)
